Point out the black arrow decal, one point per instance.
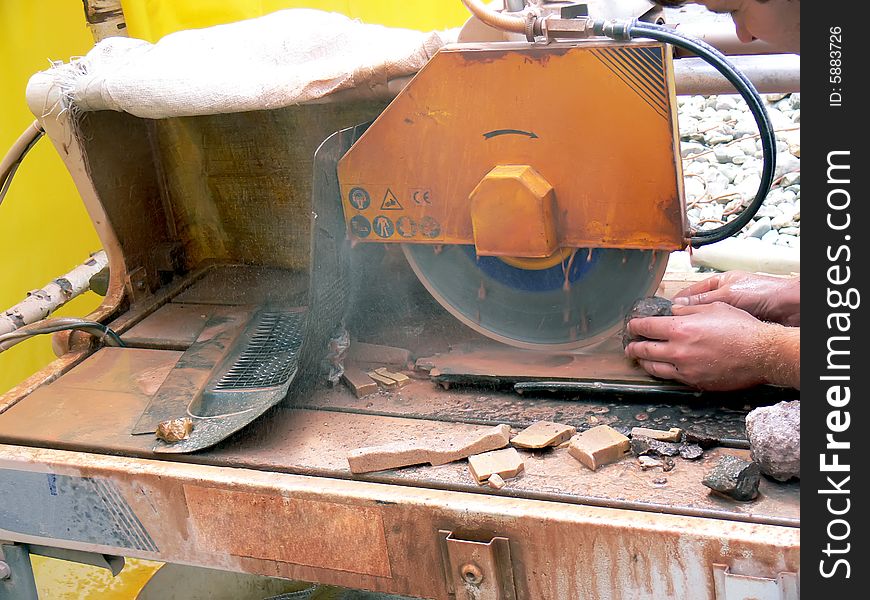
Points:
(498, 132)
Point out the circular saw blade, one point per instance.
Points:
(578, 302)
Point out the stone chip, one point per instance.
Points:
(734, 477)
(505, 463)
(543, 434)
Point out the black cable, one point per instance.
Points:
(638, 29)
(92, 327)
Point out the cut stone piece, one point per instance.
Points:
(387, 382)
(734, 477)
(437, 449)
(599, 446)
(672, 435)
(506, 463)
(543, 434)
(774, 434)
(495, 481)
(401, 379)
(359, 383)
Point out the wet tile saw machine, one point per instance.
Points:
(536, 188)
(533, 183)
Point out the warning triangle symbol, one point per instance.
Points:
(390, 201)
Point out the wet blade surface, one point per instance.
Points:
(578, 302)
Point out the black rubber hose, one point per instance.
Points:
(638, 29)
(96, 329)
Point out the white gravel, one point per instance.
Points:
(722, 163)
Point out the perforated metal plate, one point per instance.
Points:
(270, 357)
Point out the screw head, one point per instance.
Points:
(471, 573)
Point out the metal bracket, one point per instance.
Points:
(137, 284)
(477, 570)
(729, 586)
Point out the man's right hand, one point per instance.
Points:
(773, 299)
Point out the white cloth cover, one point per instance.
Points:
(287, 57)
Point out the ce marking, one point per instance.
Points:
(421, 197)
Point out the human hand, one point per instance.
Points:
(774, 299)
(716, 347)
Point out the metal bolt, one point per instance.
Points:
(5, 571)
(471, 573)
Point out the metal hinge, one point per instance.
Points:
(729, 586)
(478, 570)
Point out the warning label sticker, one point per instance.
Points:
(390, 201)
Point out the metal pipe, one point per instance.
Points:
(504, 22)
(722, 36)
(771, 73)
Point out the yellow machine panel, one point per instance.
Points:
(592, 125)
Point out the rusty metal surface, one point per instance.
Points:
(97, 415)
(557, 550)
(568, 120)
(172, 326)
(288, 536)
(242, 284)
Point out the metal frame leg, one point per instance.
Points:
(16, 579)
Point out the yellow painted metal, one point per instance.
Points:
(152, 19)
(594, 119)
(44, 228)
(515, 199)
(62, 580)
(539, 264)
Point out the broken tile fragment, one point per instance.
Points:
(734, 477)
(495, 481)
(436, 449)
(174, 430)
(648, 462)
(598, 446)
(506, 463)
(386, 382)
(643, 445)
(672, 435)
(378, 355)
(360, 384)
(543, 434)
(691, 451)
(401, 379)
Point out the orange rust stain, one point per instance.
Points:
(303, 532)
